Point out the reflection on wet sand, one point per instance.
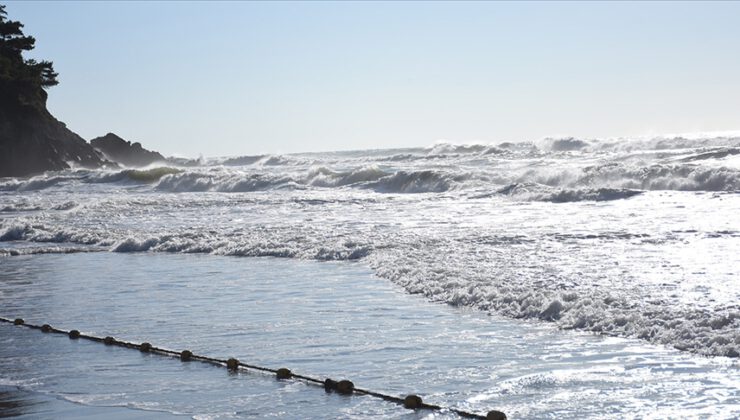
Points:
(17, 403)
(14, 402)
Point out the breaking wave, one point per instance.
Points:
(414, 263)
(368, 178)
(539, 192)
(446, 149)
(574, 167)
(473, 225)
(617, 175)
(599, 182)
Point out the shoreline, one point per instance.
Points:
(18, 402)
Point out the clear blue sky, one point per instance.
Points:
(245, 78)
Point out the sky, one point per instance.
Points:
(240, 78)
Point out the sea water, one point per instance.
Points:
(617, 256)
(324, 320)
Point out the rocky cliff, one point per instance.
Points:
(125, 152)
(33, 141)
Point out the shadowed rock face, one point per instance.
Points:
(124, 152)
(33, 141)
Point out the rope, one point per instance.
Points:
(344, 387)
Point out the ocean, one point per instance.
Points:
(558, 278)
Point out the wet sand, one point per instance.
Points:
(16, 403)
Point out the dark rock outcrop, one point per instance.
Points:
(33, 141)
(125, 152)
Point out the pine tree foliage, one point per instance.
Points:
(21, 80)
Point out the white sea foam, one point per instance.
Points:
(631, 238)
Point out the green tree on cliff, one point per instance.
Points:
(22, 82)
(31, 139)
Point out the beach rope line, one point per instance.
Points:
(344, 387)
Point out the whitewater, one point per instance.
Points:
(563, 277)
(635, 238)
